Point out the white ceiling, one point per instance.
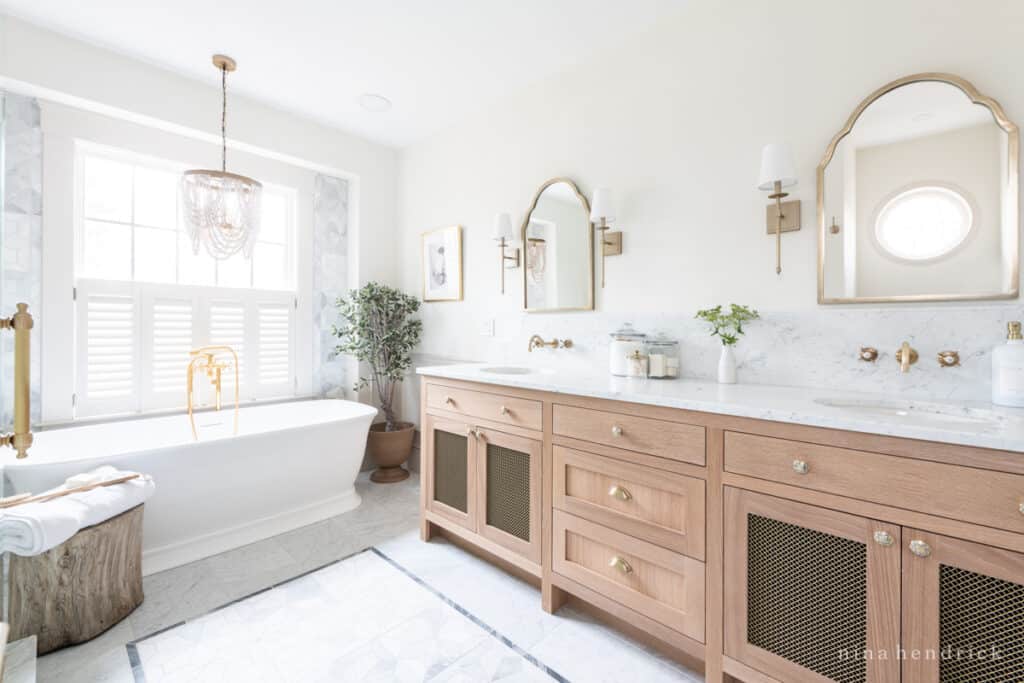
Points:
(436, 60)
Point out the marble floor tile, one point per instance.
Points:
(101, 659)
(489, 661)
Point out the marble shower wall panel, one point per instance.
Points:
(330, 280)
(21, 242)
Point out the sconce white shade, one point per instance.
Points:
(503, 227)
(601, 206)
(776, 166)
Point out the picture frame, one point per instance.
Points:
(441, 252)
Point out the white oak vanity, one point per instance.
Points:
(772, 537)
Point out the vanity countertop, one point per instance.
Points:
(966, 423)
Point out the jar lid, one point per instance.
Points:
(626, 333)
(662, 340)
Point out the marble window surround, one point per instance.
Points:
(330, 280)
(817, 348)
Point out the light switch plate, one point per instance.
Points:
(487, 328)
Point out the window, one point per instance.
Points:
(144, 300)
(924, 223)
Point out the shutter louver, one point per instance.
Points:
(274, 352)
(110, 347)
(227, 328)
(172, 341)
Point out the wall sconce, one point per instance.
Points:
(602, 212)
(779, 171)
(505, 235)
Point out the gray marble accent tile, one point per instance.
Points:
(20, 661)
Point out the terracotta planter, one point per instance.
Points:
(390, 450)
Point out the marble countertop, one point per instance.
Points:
(958, 422)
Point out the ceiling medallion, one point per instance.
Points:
(221, 209)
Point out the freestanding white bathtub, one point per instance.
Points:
(291, 464)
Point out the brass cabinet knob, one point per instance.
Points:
(505, 411)
(920, 548)
(620, 564)
(620, 493)
(884, 538)
(949, 359)
(616, 430)
(448, 400)
(1020, 508)
(801, 467)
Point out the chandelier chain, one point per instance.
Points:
(224, 118)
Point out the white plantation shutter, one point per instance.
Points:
(227, 328)
(274, 321)
(135, 338)
(172, 341)
(108, 343)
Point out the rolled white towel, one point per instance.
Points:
(34, 528)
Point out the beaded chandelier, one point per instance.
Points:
(221, 209)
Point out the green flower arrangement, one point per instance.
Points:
(377, 329)
(728, 326)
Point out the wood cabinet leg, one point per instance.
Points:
(552, 598)
(426, 529)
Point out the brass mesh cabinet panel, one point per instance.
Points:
(807, 597)
(450, 470)
(508, 491)
(981, 628)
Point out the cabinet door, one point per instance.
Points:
(509, 490)
(450, 469)
(811, 594)
(963, 611)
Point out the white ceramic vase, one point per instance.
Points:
(727, 366)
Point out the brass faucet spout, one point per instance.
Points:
(906, 357)
(204, 358)
(537, 342)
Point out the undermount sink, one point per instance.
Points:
(507, 370)
(916, 412)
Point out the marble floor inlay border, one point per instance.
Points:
(139, 674)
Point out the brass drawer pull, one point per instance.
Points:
(505, 411)
(920, 548)
(801, 467)
(616, 430)
(620, 564)
(884, 538)
(620, 493)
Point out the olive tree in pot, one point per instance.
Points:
(378, 330)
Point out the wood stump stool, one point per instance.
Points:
(79, 589)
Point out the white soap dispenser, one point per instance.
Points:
(1008, 369)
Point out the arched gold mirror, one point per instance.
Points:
(558, 246)
(918, 197)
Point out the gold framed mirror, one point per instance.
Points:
(918, 197)
(558, 250)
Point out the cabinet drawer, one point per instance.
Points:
(657, 583)
(663, 508)
(963, 493)
(519, 412)
(662, 438)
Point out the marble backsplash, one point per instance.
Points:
(817, 349)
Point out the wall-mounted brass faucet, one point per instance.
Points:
(537, 342)
(205, 358)
(906, 356)
(21, 438)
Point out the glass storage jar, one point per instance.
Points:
(625, 342)
(662, 358)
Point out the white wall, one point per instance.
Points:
(31, 57)
(674, 121)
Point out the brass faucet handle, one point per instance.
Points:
(949, 359)
(868, 354)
